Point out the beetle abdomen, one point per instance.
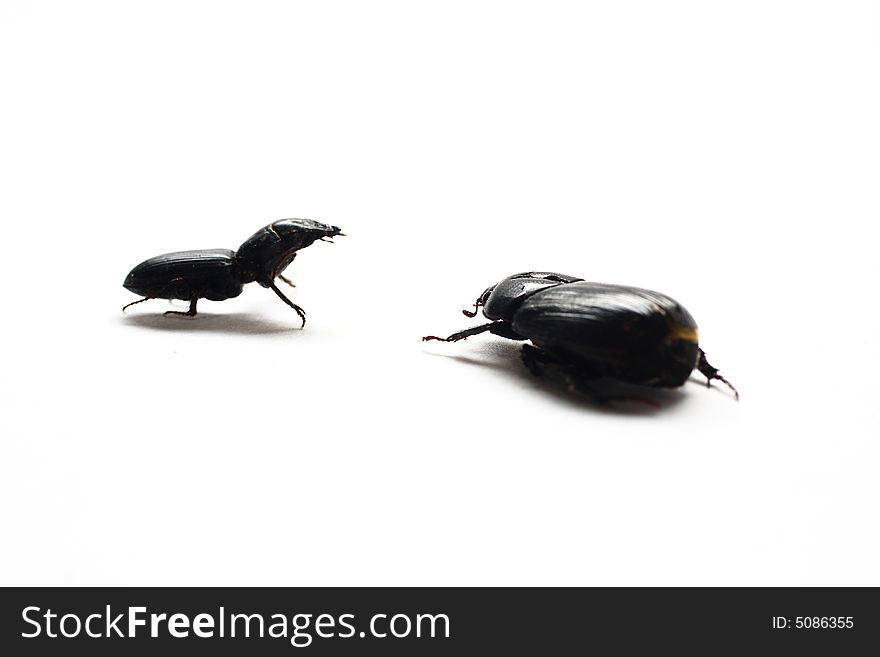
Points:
(629, 333)
(206, 274)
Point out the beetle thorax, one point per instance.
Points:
(501, 301)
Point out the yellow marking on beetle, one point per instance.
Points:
(679, 332)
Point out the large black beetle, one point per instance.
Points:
(218, 274)
(584, 331)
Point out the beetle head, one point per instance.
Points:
(266, 253)
(303, 231)
(501, 301)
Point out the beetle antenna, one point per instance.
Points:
(473, 313)
(299, 311)
(134, 303)
(712, 373)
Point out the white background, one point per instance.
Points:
(723, 153)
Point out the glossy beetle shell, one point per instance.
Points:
(628, 333)
(206, 274)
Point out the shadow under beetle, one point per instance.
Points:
(584, 331)
(219, 274)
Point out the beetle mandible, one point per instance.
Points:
(583, 331)
(219, 274)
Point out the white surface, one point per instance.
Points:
(723, 153)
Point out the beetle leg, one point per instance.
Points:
(178, 288)
(473, 313)
(136, 302)
(575, 379)
(461, 335)
(500, 328)
(505, 330)
(712, 373)
(299, 311)
(286, 280)
(546, 367)
(189, 313)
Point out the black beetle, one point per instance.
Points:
(219, 274)
(584, 331)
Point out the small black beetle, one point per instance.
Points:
(583, 331)
(219, 274)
